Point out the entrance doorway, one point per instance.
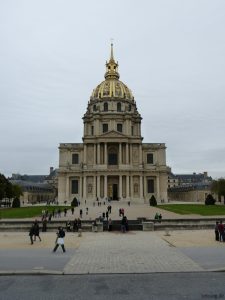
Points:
(113, 187)
(115, 191)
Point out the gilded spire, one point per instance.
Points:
(112, 67)
(111, 56)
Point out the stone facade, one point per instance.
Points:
(112, 162)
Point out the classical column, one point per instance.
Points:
(131, 187)
(157, 189)
(94, 187)
(127, 187)
(98, 154)
(127, 153)
(105, 187)
(80, 187)
(131, 154)
(120, 187)
(98, 186)
(140, 154)
(84, 187)
(67, 188)
(105, 153)
(141, 186)
(145, 187)
(120, 153)
(94, 154)
(85, 154)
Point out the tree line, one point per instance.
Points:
(9, 192)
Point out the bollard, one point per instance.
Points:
(79, 232)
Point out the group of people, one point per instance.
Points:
(74, 225)
(220, 231)
(158, 217)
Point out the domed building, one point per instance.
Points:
(112, 162)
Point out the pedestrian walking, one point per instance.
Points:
(31, 234)
(60, 239)
(217, 231)
(72, 210)
(36, 231)
(44, 225)
(81, 213)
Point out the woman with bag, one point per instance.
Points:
(60, 239)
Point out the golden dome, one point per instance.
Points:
(112, 87)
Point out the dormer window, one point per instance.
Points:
(105, 106)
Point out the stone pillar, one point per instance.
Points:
(98, 187)
(67, 188)
(127, 187)
(94, 154)
(145, 188)
(141, 186)
(157, 189)
(105, 187)
(120, 153)
(105, 153)
(84, 187)
(127, 154)
(98, 154)
(120, 187)
(80, 188)
(131, 154)
(140, 155)
(85, 154)
(131, 188)
(94, 187)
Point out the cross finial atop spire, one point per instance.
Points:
(111, 67)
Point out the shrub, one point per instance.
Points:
(152, 201)
(74, 202)
(16, 202)
(209, 200)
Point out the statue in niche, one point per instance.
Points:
(89, 188)
(135, 155)
(136, 188)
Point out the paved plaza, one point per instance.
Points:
(113, 252)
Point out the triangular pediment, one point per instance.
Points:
(112, 134)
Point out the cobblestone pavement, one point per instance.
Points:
(131, 252)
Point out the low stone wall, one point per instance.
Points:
(134, 225)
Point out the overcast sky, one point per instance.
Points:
(171, 55)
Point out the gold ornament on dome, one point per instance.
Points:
(112, 87)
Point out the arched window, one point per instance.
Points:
(118, 106)
(105, 106)
(112, 156)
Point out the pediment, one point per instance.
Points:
(113, 134)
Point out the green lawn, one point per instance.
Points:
(26, 212)
(203, 210)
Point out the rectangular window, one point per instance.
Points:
(92, 130)
(132, 130)
(75, 159)
(151, 186)
(120, 127)
(74, 187)
(104, 127)
(150, 158)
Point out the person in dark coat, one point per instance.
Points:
(44, 225)
(75, 225)
(217, 231)
(60, 239)
(31, 234)
(36, 231)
